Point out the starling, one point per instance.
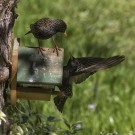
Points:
(46, 28)
(79, 69)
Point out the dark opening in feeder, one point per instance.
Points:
(35, 76)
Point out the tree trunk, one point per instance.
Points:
(7, 19)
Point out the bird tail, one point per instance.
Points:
(104, 63)
(28, 32)
(60, 100)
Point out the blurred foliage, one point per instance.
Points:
(105, 102)
(26, 121)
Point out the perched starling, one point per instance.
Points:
(46, 28)
(79, 69)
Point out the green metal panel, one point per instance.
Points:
(36, 70)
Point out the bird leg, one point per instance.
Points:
(55, 47)
(40, 49)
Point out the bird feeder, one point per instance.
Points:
(35, 76)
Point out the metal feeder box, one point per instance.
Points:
(35, 76)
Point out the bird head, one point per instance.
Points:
(72, 63)
(61, 26)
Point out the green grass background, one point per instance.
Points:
(101, 28)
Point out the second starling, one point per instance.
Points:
(79, 69)
(46, 28)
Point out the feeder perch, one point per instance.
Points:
(35, 76)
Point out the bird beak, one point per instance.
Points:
(65, 34)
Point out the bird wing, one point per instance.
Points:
(89, 65)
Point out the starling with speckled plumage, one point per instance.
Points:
(79, 69)
(46, 28)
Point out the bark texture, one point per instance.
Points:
(7, 19)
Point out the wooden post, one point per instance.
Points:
(14, 71)
(7, 19)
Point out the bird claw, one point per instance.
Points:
(40, 50)
(57, 50)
